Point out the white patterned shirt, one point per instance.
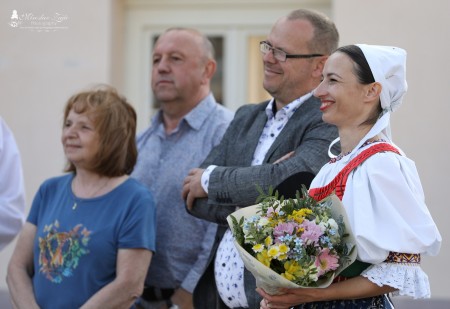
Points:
(228, 266)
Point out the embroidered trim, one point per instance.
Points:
(337, 185)
(403, 258)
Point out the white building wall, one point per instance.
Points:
(39, 71)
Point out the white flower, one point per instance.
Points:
(333, 224)
(263, 221)
(313, 277)
(323, 226)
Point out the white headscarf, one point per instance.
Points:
(388, 66)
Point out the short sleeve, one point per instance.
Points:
(138, 228)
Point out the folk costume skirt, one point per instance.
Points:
(377, 302)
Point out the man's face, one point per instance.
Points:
(288, 80)
(178, 66)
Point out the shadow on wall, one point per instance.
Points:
(400, 303)
(5, 303)
(409, 303)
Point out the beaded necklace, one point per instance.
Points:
(341, 155)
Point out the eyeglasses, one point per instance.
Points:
(280, 55)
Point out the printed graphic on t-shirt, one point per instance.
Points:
(60, 252)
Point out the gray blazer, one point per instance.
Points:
(234, 182)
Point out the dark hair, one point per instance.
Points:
(115, 122)
(361, 67)
(362, 71)
(326, 35)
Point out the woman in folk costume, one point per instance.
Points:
(378, 185)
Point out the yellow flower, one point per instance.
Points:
(268, 241)
(264, 258)
(299, 215)
(282, 257)
(272, 221)
(283, 248)
(307, 211)
(258, 247)
(274, 251)
(288, 276)
(292, 268)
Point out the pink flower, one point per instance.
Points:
(325, 262)
(283, 229)
(312, 232)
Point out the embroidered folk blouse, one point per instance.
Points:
(384, 201)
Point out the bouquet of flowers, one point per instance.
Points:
(293, 242)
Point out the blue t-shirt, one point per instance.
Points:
(75, 248)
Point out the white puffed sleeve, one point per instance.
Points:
(386, 207)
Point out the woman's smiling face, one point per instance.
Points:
(343, 97)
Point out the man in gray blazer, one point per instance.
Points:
(281, 143)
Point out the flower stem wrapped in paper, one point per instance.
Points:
(294, 242)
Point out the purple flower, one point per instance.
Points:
(311, 233)
(283, 229)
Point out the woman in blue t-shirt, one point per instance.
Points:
(89, 236)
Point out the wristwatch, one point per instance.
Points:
(171, 305)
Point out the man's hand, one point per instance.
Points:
(285, 157)
(192, 187)
(183, 299)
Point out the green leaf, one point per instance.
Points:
(237, 229)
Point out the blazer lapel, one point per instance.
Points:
(291, 128)
(256, 130)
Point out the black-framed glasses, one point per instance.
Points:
(280, 55)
